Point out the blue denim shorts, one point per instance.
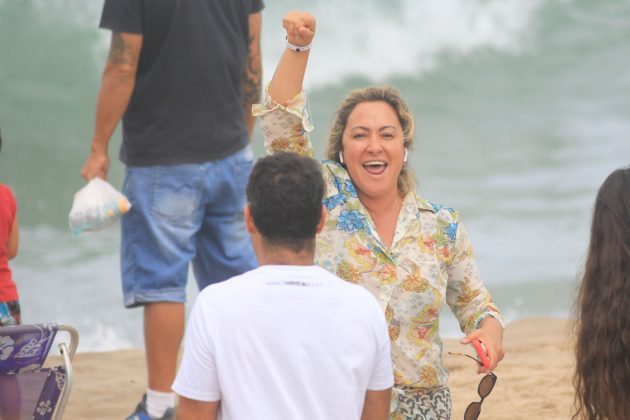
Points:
(182, 214)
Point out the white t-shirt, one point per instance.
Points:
(285, 342)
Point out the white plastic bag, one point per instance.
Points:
(96, 206)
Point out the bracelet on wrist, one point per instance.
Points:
(298, 48)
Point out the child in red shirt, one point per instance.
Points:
(9, 238)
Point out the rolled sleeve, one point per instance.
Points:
(286, 127)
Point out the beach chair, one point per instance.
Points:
(27, 389)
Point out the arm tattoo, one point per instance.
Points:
(252, 82)
(121, 52)
(252, 78)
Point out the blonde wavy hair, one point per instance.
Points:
(390, 96)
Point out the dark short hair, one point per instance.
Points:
(285, 193)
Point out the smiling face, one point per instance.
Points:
(373, 149)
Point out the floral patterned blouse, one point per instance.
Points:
(429, 263)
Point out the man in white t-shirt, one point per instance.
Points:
(287, 340)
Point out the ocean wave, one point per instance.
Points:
(372, 39)
(379, 39)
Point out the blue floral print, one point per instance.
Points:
(411, 278)
(351, 221)
(337, 183)
(334, 201)
(451, 231)
(349, 186)
(437, 207)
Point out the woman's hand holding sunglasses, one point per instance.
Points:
(490, 338)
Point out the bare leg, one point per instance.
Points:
(163, 333)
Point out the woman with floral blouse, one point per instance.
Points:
(412, 254)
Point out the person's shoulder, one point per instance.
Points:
(223, 290)
(439, 210)
(122, 16)
(338, 179)
(445, 219)
(6, 192)
(332, 164)
(335, 168)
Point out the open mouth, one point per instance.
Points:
(375, 167)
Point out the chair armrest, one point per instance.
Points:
(74, 339)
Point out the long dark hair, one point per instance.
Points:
(602, 374)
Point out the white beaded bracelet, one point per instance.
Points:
(298, 48)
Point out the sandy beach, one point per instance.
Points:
(534, 379)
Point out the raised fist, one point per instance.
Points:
(300, 28)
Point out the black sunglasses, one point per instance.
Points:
(486, 385)
(484, 389)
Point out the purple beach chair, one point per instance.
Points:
(27, 389)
